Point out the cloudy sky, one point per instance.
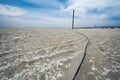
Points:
(58, 13)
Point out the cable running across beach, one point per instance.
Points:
(76, 73)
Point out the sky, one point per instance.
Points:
(58, 13)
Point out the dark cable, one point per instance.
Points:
(83, 56)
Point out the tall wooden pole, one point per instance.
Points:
(73, 19)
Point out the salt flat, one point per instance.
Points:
(55, 54)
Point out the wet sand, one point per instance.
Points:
(55, 54)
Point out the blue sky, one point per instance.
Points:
(57, 13)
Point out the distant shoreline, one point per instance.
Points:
(67, 27)
(96, 27)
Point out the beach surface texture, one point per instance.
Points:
(55, 54)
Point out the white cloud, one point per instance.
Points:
(7, 10)
(85, 4)
(82, 7)
(47, 21)
(39, 17)
(35, 22)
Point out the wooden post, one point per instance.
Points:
(73, 19)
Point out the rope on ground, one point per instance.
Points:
(79, 67)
